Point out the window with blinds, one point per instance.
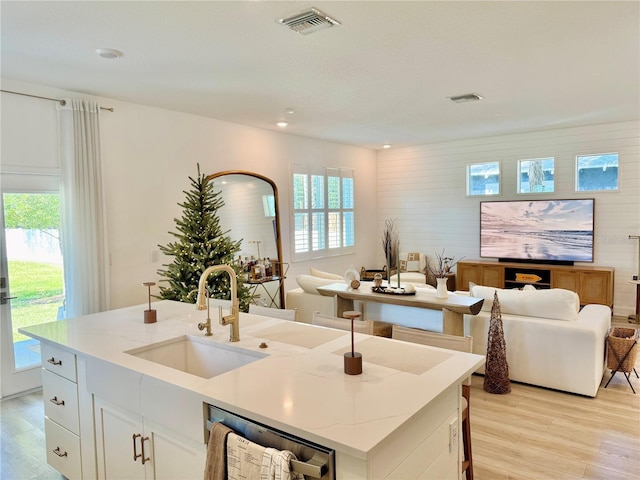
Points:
(323, 212)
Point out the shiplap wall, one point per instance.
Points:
(424, 189)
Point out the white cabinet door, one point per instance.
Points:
(124, 439)
(175, 456)
(119, 435)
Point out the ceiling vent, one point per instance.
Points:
(308, 21)
(469, 97)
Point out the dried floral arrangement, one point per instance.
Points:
(443, 265)
(390, 242)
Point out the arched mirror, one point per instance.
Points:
(250, 213)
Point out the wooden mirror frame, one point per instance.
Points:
(277, 209)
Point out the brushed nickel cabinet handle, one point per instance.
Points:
(60, 453)
(53, 361)
(144, 459)
(55, 401)
(136, 455)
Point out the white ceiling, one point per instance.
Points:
(383, 76)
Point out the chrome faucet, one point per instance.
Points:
(202, 303)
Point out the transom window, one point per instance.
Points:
(536, 175)
(597, 172)
(323, 212)
(483, 178)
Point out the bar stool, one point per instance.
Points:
(452, 342)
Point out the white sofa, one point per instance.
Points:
(549, 341)
(306, 299)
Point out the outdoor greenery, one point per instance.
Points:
(37, 286)
(36, 302)
(31, 211)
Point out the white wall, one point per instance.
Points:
(148, 155)
(424, 189)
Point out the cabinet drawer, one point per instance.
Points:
(58, 360)
(63, 450)
(60, 400)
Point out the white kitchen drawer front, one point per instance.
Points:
(63, 450)
(59, 360)
(60, 401)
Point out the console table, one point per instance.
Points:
(453, 307)
(592, 284)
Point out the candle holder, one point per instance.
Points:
(352, 359)
(149, 315)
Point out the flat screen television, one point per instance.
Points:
(537, 231)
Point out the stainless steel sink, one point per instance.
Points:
(196, 356)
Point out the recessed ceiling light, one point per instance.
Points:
(290, 111)
(467, 97)
(282, 124)
(109, 53)
(386, 145)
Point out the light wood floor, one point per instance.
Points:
(536, 433)
(530, 433)
(23, 455)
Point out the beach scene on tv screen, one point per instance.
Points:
(554, 230)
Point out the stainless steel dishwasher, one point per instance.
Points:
(314, 461)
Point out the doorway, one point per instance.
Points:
(31, 281)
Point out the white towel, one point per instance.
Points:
(244, 458)
(247, 460)
(276, 465)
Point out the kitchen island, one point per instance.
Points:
(399, 419)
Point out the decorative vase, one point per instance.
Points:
(441, 287)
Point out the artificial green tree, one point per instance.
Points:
(200, 243)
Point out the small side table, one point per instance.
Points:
(254, 285)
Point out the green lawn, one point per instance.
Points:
(38, 287)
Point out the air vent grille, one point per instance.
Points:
(309, 21)
(468, 97)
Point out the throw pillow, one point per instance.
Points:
(413, 262)
(319, 273)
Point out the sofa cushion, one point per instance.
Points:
(309, 283)
(555, 303)
(319, 273)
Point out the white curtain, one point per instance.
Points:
(83, 219)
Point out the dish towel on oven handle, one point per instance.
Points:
(216, 465)
(247, 460)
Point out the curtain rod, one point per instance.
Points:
(60, 101)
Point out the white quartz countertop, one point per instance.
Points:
(299, 387)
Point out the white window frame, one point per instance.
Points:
(577, 173)
(468, 174)
(324, 212)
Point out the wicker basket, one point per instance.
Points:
(367, 275)
(620, 341)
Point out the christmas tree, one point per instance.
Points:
(200, 243)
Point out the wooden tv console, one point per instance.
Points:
(592, 284)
